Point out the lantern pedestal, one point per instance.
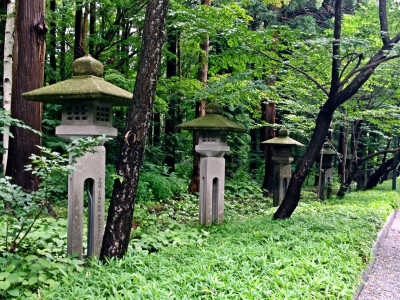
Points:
(282, 174)
(212, 185)
(91, 168)
(325, 190)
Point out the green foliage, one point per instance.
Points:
(317, 254)
(40, 262)
(156, 184)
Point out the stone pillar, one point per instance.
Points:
(91, 166)
(212, 185)
(282, 174)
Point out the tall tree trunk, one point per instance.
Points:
(7, 70)
(352, 166)
(28, 72)
(202, 74)
(342, 149)
(53, 44)
(63, 47)
(269, 113)
(130, 159)
(171, 116)
(78, 51)
(84, 29)
(92, 25)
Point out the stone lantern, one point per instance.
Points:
(282, 160)
(87, 101)
(213, 129)
(325, 188)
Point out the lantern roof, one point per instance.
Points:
(327, 150)
(283, 139)
(212, 120)
(86, 84)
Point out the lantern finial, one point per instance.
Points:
(87, 65)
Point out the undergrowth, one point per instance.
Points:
(318, 253)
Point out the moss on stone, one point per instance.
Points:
(212, 122)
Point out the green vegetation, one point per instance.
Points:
(317, 254)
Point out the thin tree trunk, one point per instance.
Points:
(53, 44)
(268, 133)
(28, 72)
(202, 74)
(170, 146)
(92, 25)
(7, 70)
(130, 159)
(78, 51)
(84, 29)
(342, 149)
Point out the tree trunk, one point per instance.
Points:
(202, 74)
(130, 159)
(92, 25)
(7, 70)
(342, 149)
(28, 72)
(78, 51)
(53, 45)
(170, 144)
(269, 113)
(352, 166)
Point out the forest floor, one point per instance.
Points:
(319, 253)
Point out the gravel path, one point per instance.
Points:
(383, 282)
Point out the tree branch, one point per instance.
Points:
(361, 160)
(324, 90)
(367, 66)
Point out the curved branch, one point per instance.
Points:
(324, 90)
(361, 160)
(371, 65)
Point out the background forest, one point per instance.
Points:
(271, 64)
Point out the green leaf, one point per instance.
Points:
(15, 292)
(4, 285)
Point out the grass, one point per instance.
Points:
(318, 253)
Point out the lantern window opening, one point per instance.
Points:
(102, 113)
(209, 136)
(77, 112)
(224, 136)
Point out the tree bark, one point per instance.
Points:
(53, 44)
(92, 25)
(269, 113)
(202, 74)
(170, 144)
(7, 70)
(28, 73)
(78, 50)
(130, 159)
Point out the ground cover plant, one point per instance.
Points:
(317, 254)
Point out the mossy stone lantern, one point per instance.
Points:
(282, 160)
(325, 188)
(213, 129)
(87, 101)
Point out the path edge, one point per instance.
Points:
(375, 247)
